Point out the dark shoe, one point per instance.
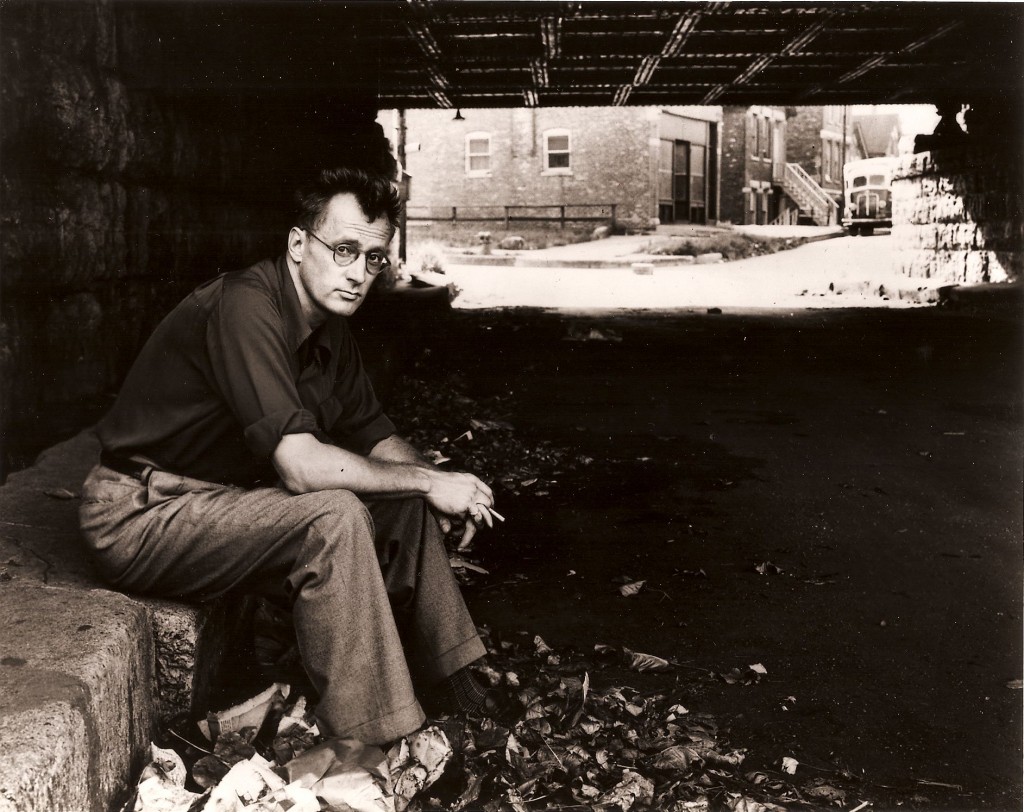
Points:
(500, 706)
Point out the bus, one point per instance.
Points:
(867, 198)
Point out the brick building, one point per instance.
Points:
(820, 140)
(753, 158)
(652, 163)
(783, 164)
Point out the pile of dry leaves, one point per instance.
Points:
(569, 746)
(469, 434)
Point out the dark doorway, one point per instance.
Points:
(682, 182)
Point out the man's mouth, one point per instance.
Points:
(349, 295)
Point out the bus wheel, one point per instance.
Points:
(867, 231)
(854, 231)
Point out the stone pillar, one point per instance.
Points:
(957, 212)
(120, 190)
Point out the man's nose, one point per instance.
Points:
(357, 270)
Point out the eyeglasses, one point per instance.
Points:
(346, 253)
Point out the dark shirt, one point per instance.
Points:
(230, 371)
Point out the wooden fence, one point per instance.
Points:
(560, 213)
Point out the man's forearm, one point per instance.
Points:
(305, 464)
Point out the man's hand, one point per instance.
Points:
(460, 495)
(393, 469)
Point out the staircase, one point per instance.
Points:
(809, 196)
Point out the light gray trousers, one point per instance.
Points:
(374, 601)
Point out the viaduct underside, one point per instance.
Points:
(146, 145)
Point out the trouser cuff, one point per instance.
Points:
(457, 657)
(390, 727)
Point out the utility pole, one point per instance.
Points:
(404, 185)
(842, 157)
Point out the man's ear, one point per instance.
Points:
(296, 244)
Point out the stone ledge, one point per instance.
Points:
(104, 667)
(76, 676)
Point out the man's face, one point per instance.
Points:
(327, 288)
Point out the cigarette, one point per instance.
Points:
(495, 514)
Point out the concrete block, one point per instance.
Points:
(40, 544)
(709, 259)
(76, 677)
(643, 268)
(49, 745)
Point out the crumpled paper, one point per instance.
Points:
(161, 786)
(345, 773)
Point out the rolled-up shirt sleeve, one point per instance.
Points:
(253, 368)
(353, 415)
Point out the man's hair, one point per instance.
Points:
(376, 195)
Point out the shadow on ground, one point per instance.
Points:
(834, 495)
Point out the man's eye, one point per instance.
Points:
(346, 251)
(376, 258)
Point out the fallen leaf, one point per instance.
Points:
(825, 792)
(633, 788)
(632, 588)
(675, 712)
(416, 762)
(457, 562)
(677, 759)
(61, 493)
(644, 662)
(789, 765)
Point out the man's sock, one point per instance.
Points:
(462, 692)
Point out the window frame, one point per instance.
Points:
(546, 136)
(477, 135)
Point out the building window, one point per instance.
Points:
(760, 137)
(556, 152)
(478, 154)
(830, 157)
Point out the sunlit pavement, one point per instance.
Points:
(840, 272)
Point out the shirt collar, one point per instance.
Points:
(308, 344)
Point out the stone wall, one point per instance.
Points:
(958, 214)
(120, 191)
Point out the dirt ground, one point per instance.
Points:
(835, 495)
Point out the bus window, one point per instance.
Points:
(860, 180)
(877, 180)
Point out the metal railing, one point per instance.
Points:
(809, 195)
(560, 213)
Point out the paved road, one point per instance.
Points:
(840, 272)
